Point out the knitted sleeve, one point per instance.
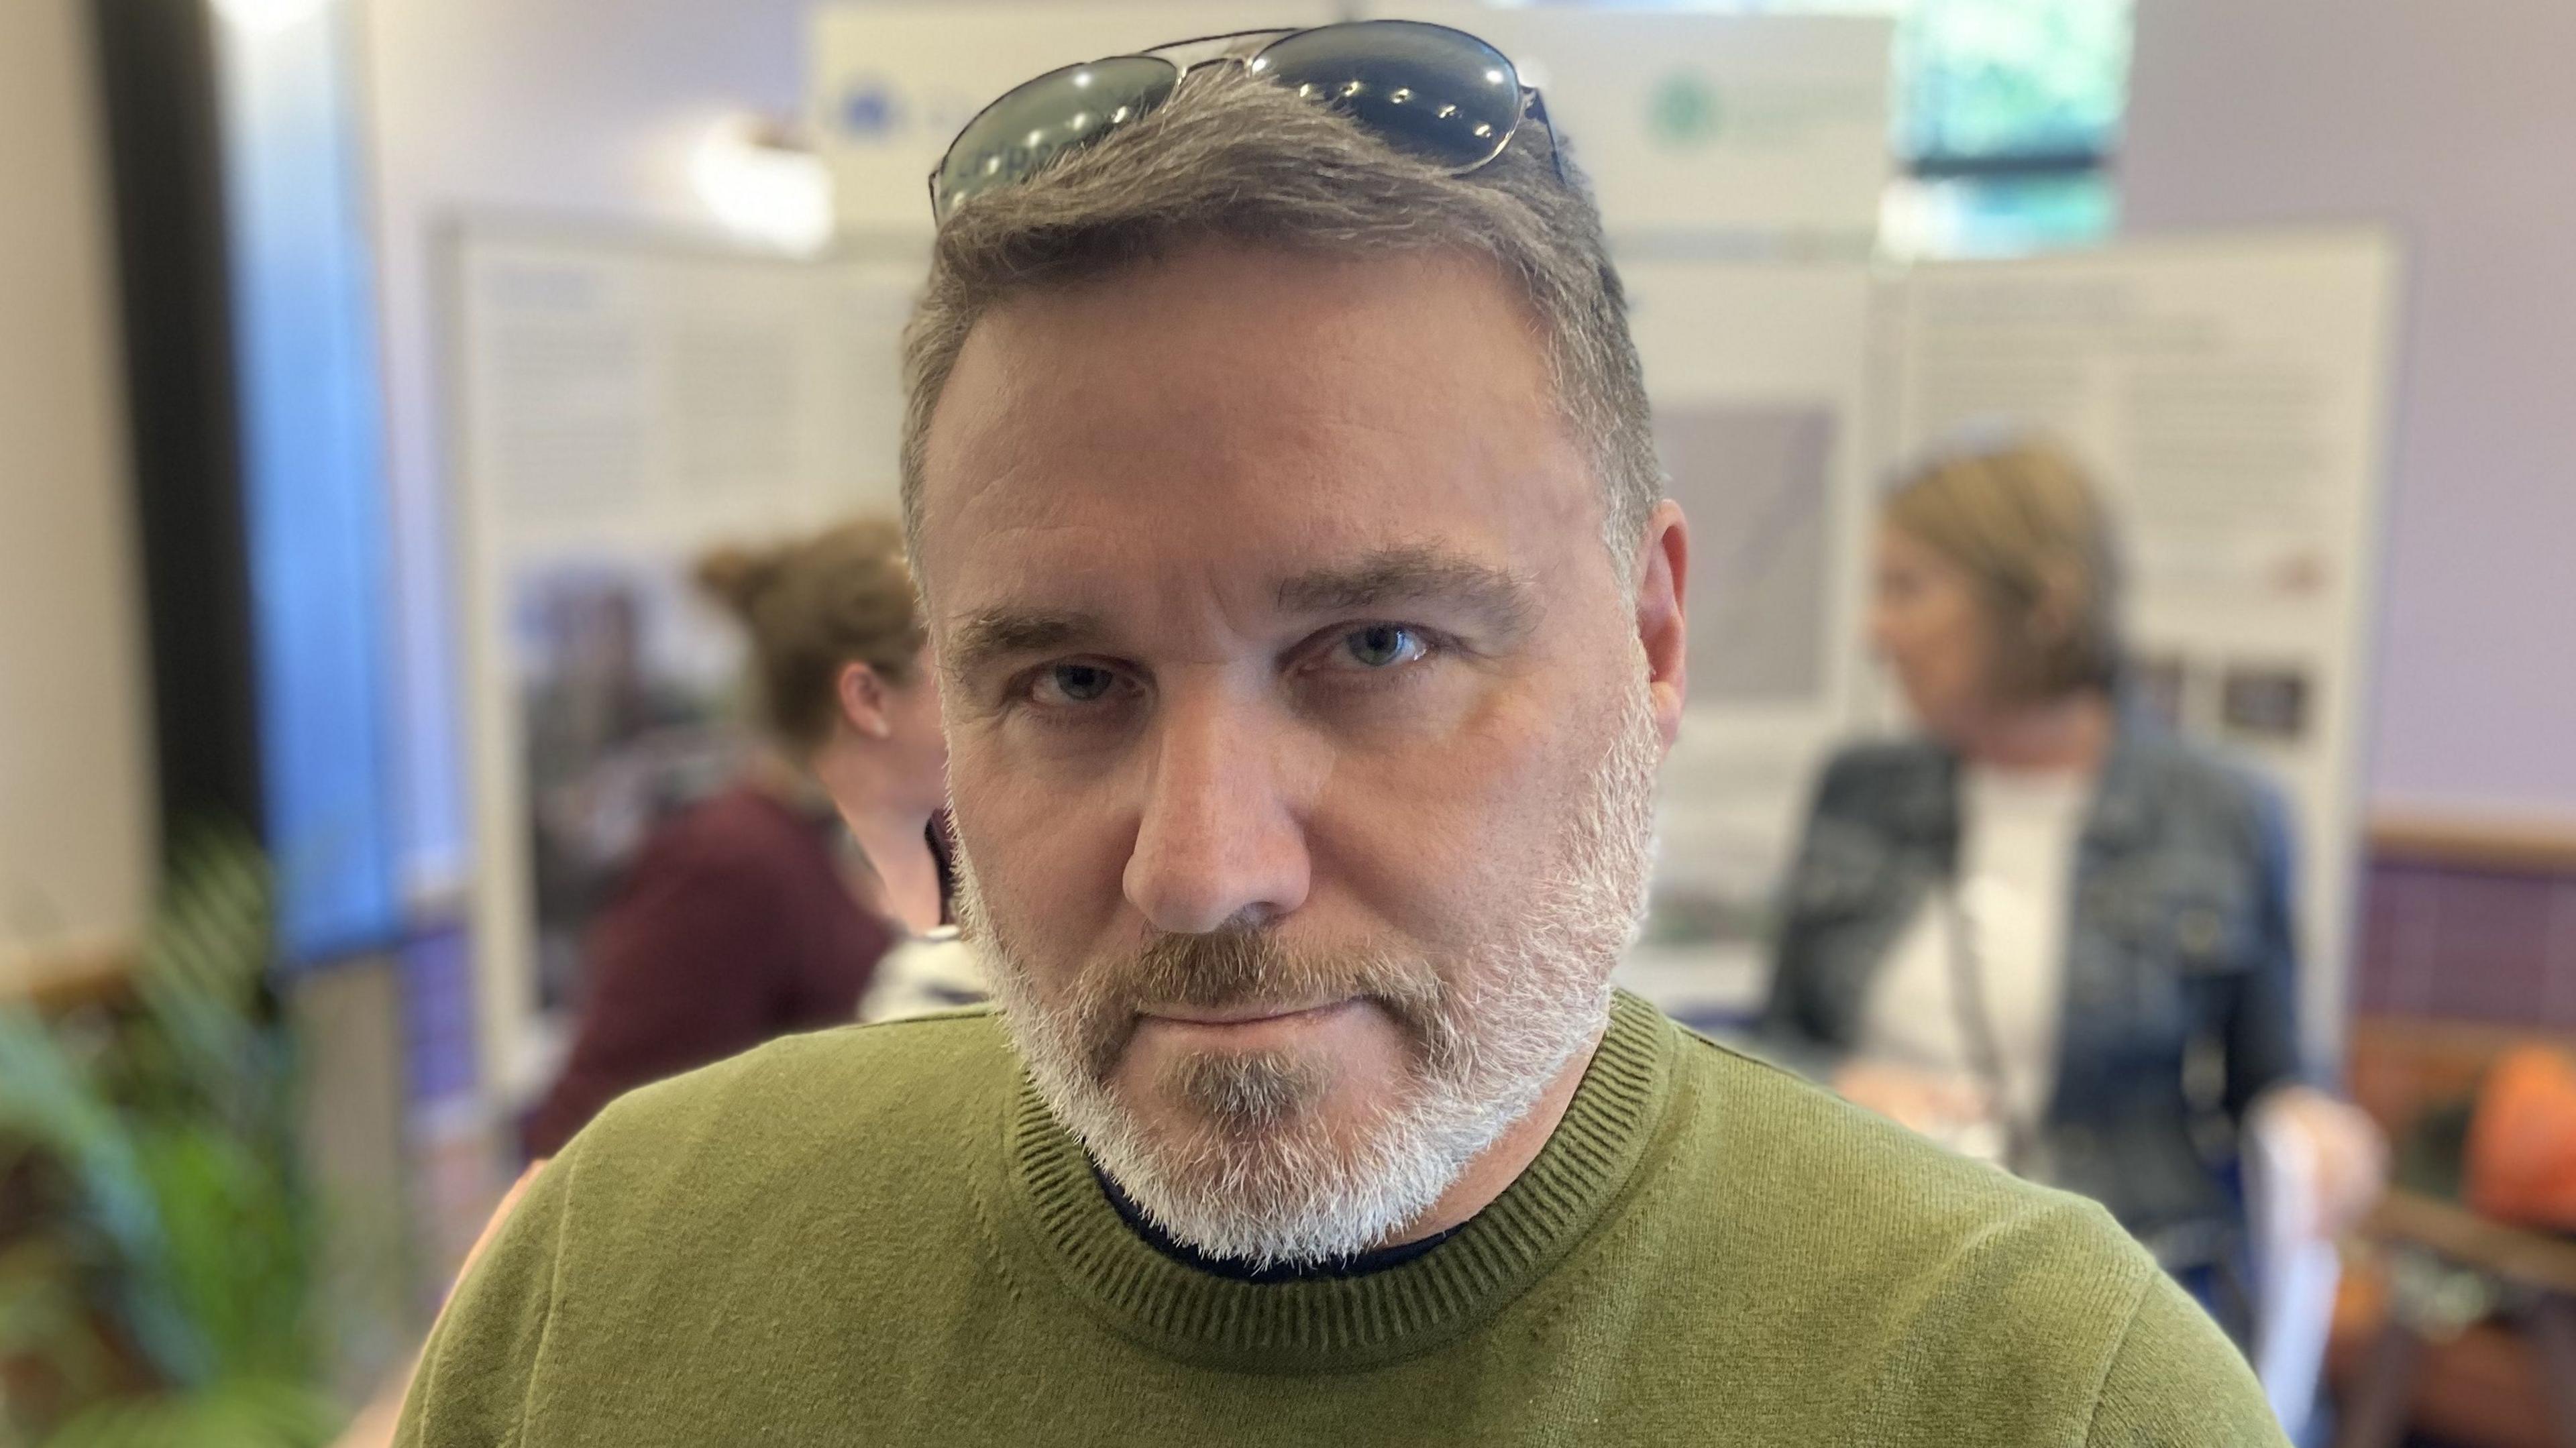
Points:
(471, 1388)
(2177, 1382)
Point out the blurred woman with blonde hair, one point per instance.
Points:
(2044, 930)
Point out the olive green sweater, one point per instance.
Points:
(878, 1235)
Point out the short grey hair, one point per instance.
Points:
(1232, 157)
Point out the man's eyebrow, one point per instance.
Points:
(1413, 575)
(1004, 633)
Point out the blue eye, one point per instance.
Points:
(1383, 645)
(1074, 684)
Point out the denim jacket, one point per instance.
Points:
(2180, 987)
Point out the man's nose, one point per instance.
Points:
(1219, 838)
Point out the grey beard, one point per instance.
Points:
(1246, 1096)
(1258, 1175)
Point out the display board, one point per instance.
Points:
(617, 409)
(890, 85)
(2230, 394)
(1690, 124)
(1759, 375)
(1701, 125)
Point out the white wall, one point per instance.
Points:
(577, 110)
(76, 821)
(2456, 122)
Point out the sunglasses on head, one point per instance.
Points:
(1434, 93)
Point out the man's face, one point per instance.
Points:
(1301, 746)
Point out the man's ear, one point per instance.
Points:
(862, 695)
(1663, 582)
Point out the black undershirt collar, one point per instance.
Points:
(1361, 1265)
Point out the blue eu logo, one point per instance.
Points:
(870, 108)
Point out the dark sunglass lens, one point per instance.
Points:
(1058, 112)
(1438, 93)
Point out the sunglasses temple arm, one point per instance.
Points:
(1555, 143)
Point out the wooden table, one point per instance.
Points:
(2539, 1269)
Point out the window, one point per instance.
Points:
(2007, 114)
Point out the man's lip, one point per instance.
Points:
(1233, 1015)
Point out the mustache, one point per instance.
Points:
(1250, 967)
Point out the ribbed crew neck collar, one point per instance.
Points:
(1330, 1323)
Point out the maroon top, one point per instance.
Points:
(734, 926)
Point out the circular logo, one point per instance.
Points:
(870, 108)
(1682, 111)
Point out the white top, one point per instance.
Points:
(2018, 833)
(933, 972)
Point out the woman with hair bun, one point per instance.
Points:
(765, 908)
